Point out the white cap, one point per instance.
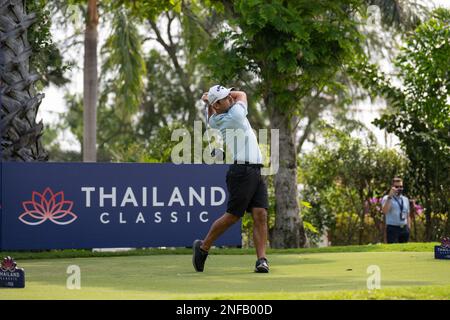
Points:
(218, 92)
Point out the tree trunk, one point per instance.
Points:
(90, 85)
(20, 134)
(288, 231)
(362, 216)
(427, 212)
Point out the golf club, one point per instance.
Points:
(211, 152)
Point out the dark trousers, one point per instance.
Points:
(396, 234)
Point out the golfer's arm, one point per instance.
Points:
(210, 111)
(239, 96)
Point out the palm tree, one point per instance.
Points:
(20, 134)
(402, 14)
(90, 84)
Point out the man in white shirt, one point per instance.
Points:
(227, 112)
(396, 209)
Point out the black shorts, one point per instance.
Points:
(246, 189)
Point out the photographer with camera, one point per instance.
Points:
(395, 207)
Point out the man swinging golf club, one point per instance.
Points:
(227, 112)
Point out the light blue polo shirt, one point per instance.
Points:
(236, 131)
(393, 215)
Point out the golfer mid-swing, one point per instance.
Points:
(227, 111)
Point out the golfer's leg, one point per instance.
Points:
(218, 227)
(260, 231)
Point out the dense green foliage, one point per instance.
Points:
(419, 111)
(342, 178)
(46, 60)
(292, 48)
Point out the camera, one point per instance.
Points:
(399, 190)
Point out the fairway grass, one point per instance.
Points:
(335, 275)
(81, 253)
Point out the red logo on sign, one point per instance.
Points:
(47, 206)
(8, 264)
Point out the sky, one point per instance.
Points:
(53, 105)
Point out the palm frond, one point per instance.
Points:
(402, 14)
(124, 64)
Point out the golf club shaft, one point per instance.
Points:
(207, 127)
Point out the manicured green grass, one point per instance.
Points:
(410, 274)
(51, 254)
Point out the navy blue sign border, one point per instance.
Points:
(6, 166)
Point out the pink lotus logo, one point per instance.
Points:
(445, 242)
(47, 206)
(8, 264)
